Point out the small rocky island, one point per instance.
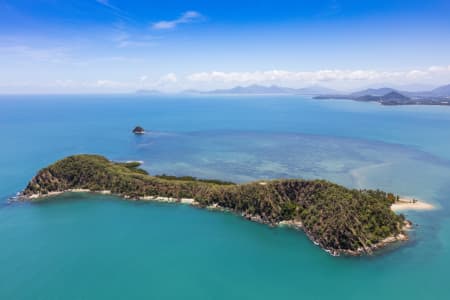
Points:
(338, 219)
(138, 130)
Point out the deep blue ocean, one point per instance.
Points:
(83, 246)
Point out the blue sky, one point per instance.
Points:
(118, 46)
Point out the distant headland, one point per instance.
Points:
(338, 219)
(388, 96)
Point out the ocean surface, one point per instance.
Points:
(84, 246)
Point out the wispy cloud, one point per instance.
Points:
(53, 55)
(105, 3)
(186, 17)
(120, 13)
(125, 40)
(124, 37)
(144, 81)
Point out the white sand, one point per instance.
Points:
(168, 199)
(408, 204)
(187, 200)
(291, 223)
(37, 196)
(79, 190)
(105, 192)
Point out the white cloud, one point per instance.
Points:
(168, 78)
(186, 17)
(334, 78)
(110, 83)
(318, 76)
(166, 81)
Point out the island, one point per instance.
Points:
(338, 219)
(138, 130)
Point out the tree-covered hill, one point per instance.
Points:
(339, 219)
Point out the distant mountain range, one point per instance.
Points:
(385, 95)
(256, 89)
(273, 89)
(146, 92)
(442, 91)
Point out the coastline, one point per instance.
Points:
(34, 197)
(294, 224)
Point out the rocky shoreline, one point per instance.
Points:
(298, 225)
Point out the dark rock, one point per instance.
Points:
(138, 130)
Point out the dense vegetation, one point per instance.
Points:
(339, 219)
(191, 178)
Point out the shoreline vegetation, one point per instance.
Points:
(337, 219)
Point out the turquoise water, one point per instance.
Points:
(100, 247)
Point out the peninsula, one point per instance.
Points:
(391, 97)
(338, 219)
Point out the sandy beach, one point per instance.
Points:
(409, 204)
